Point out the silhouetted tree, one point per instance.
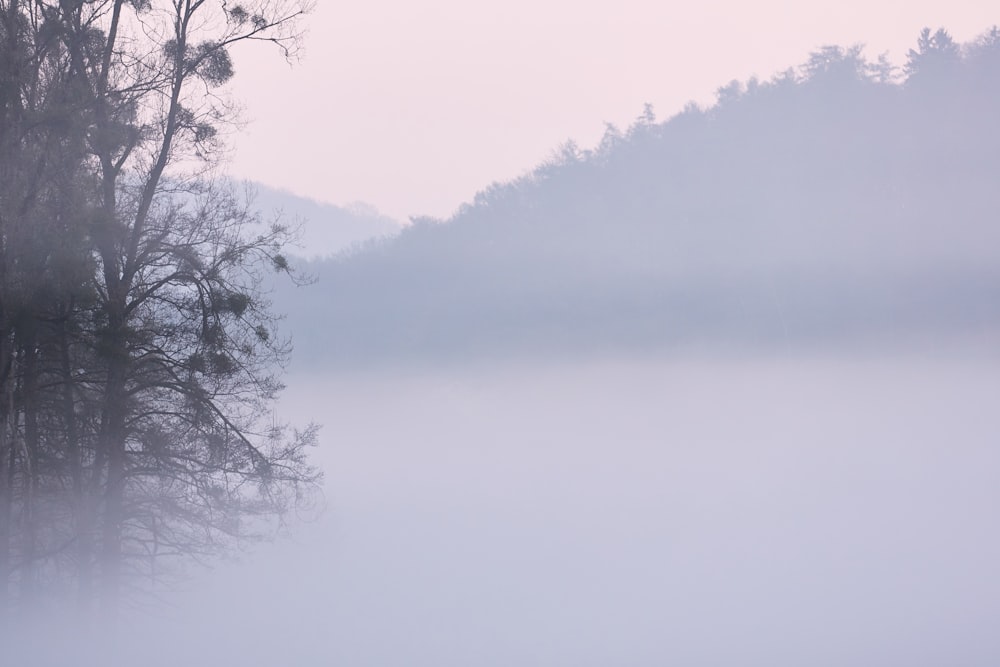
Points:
(936, 56)
(137, 349)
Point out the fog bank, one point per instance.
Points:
(790, 511)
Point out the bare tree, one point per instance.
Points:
(140, 367)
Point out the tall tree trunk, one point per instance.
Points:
(112, 442)
(10, 114)
(6, 471)
(29, 506)
(83, 510)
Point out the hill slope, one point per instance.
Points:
(327, 229)
(838, 200)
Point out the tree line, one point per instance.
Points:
(841, 199)
(138, 352)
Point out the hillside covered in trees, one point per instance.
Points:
(840, 200)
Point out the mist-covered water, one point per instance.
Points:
(799, 510)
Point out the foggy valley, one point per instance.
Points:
(785, 510)
(718, 391)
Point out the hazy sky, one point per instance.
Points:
(414, 107)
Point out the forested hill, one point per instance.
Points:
(840, 199)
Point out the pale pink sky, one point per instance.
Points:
(415, 106)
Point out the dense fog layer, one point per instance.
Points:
(773, 511)
(720, 391)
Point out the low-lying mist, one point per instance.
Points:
(788, 510)
(721, 391)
